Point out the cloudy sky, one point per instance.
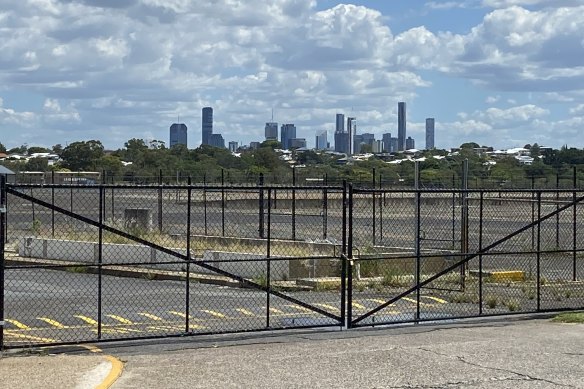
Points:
(501, 73)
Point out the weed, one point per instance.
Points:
(76, 269)
(568, 294)
(512, 305)
(492, 301)
(572, 317)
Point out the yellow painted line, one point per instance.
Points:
(86, 319)
(114, 374)
(120, 319)
(165, 328)
(18, 324)
(29, 337)
(244, 311)
(414, 301)
(276, 311)
(213, 313)
(195, 327)
(150, 316)
(357, 305)
(178, 314)
(379, 301)
(300, 308)
(438, 300)
(327, 306)
(52, 322)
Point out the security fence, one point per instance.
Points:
(100, 262)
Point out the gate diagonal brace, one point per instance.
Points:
(245, 282)
(467, 259)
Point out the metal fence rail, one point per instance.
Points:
(87, 263)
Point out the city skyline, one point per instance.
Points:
(501, 73)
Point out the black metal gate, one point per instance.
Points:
(89, 263)
(492, 253)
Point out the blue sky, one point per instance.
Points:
(501, 73)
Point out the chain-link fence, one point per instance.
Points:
(86, 263)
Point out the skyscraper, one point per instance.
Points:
(340, 125)
(401, 126)
(410, 143)
(352, 130)
(233, 146)
(207, 124)
(321, 140)
(271, 131)
(178, 134)
(429, 133)
(216, 140)
(287, 132)
(386, 142)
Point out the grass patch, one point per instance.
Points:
(571, 317)
(492, 301)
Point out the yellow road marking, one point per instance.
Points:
(379, 301)
(357, 305)
(178, 314)
(120, 319)
(52, 322)
(18, 324)
(150, 316)
(327, 306)
(114, 374)
(436, 299)
(414, 301)
(276, 311)
(29, 337)
(86, 319)
(195, 327)
(300, 308)
(244, 311)
(213, 313)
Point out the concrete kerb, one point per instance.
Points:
(144, 273)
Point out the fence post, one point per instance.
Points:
(261, 205)
(538, 255)
(557, 209)
(205, 201)
(350, 259)
(574, 219)
(188, 267)
(481, 206)
(344, 321)
(99, 263)
(380, 211)
(2, 259)
(373, 208)
(464, 222)
(160, 200)
(268, 260)
(53, 204)
(293, 203)
(324, 207)
(222, 202)
(418, 258)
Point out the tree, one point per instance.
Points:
(37, 149)
(19, 150)
(57, 149)
(82, 155)
(2, 148)
(37, 165)
(469, 145)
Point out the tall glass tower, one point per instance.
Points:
(429, 133)
(207, 124)
(401, 126)
(178, 134)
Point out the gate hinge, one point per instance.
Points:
(2, 209)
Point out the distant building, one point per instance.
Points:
(271, 131)
(401, 126)
(368, 139)
(386, 142)
(378, 146)
(340, 124)
(410, 143)
(352, 130)
(287, 132)
(178, 134)
(393, 145)
(216, 140)
(357, 142)
(297, 143)
(321, 140)
(254, 145)
(233, 146)
(207, 125)
(342, 142)
(430, 133)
